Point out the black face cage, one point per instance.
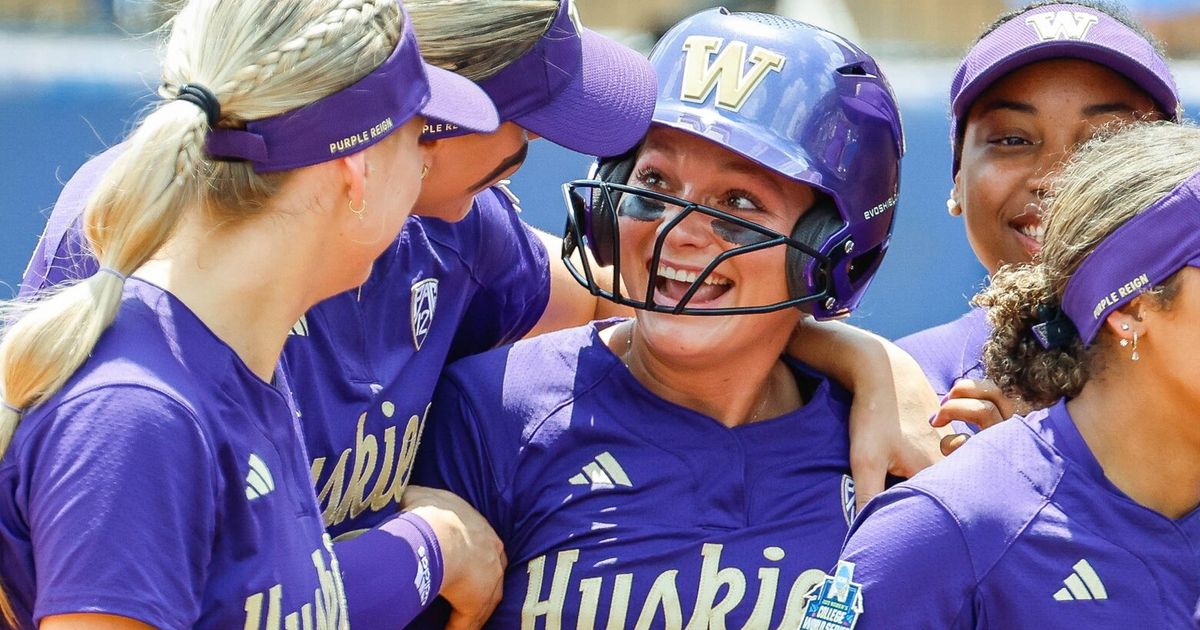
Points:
(581, 236)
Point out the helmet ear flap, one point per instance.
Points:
(815, 226)
(601, 210)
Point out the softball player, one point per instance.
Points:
(1038, 82)
(674, 470)
(1057, 520)
(153, 472)
(365, 363)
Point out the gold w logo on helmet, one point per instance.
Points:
(727, 74)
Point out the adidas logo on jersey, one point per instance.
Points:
(1082, 585)
(258, 481)
(602, 472)
(300, 328)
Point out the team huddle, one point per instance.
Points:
(434, 415)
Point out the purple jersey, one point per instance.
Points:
(166, 483)
(619, 509)
(364, 363)
(951, 351)
(1021, 529)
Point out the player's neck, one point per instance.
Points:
(248, 285)
(745, 387)
(1145, 439)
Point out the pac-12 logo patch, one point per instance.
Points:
(424, 303)
(849, 500)
(835, 603)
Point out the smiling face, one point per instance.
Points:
(1017, 135)
(679, 164)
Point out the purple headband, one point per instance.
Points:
(1055, 31)
(1139, 255)
(575, 88)
(358, 116)
(533, 79)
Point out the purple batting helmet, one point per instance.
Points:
(798, 100)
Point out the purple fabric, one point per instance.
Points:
(360, 380)
(575, 88)
(951, 351)
(403, 548)
(360, 115)
(166, 483)
(1139, 255)
(619, 509)
(1054, 31)
(1027, 533)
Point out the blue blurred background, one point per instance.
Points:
(67, 91)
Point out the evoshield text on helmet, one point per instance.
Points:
(797, 100)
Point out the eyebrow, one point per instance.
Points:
(1108, 108)
(737, 166)
(516, 159)
(1000, 103)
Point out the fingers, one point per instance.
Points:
(869, 475)
(983, 413)
(951, 443)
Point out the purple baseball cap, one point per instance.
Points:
(360, 115)
(575, 88)
(1056, 31)
(1139, 255)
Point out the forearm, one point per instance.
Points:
(390, 573)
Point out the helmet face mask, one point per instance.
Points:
(600, 232)
(794, 100)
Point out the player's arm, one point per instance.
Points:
(889, 418)
(89, 621)
(571, 304)
(979, 402)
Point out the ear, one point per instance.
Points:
(1127, 320)
(353, 170)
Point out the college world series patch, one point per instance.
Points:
(836, 603)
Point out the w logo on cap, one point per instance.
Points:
(1062, 24)
(727, 73)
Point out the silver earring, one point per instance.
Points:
(1135, 356)
(952, 207)
(1124, 342)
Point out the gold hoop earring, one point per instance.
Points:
(424, 170)
(358, 212)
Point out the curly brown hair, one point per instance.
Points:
(1109, 180)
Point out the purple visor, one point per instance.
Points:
(358, 116)
(1139, 255)
(1055, 31)
(575, 88)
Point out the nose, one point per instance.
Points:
(693, 230)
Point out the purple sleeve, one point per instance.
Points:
(455, 456)
(62, 253)
(121, 507)
(512, 268)
(913, 563)
(391, 573)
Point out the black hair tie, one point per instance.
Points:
(203, 98)
(1054, 329)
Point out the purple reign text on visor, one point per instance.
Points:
(1056, 31)
(574, 87)
(1139, 255)
(360, 115)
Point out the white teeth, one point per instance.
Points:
(1036, 232)
(679, 275)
